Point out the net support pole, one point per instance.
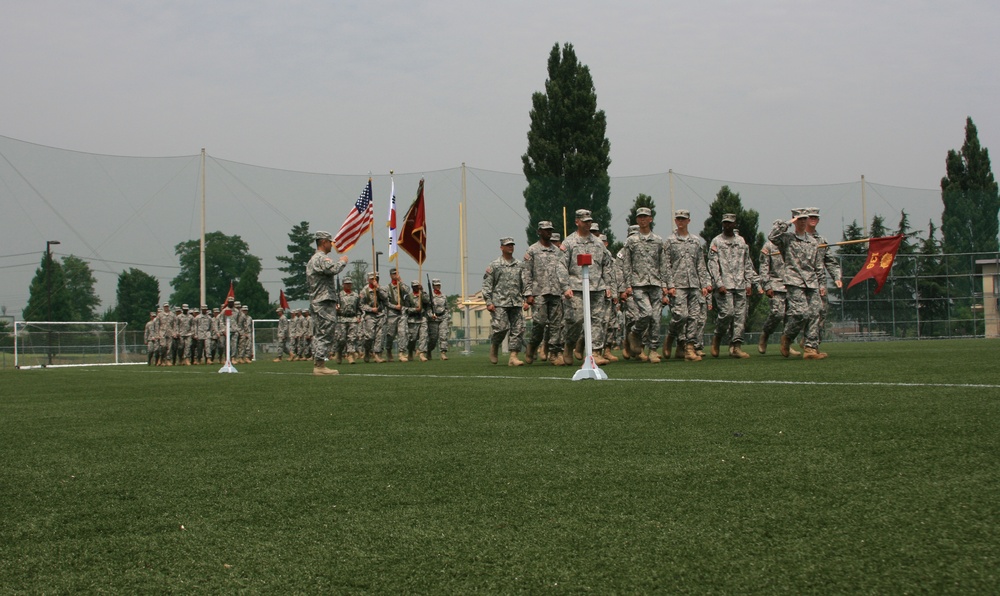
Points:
(116, 342)
(201, 256)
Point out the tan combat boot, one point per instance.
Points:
(320, 369)
(736, 351)
(642, 357)
(654, 357)
(403, 358)
(813, 354)
(513, 361)
(529, 354)
(543, 351)
(762, 344)
(668, 345)
(634, 343)
(378, 358)
(567, 356)
(793, 351)
(350, 358)
(494, 358)
(680, 351)
(556, 359)
(578, 350)
(689, 353)
(444, 355)
(609, 356)
(599, 360)
(422, 356)
(716, 345)
(786, 344)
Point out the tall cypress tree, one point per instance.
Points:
(568, 155)
(300, 249)
(971, 199)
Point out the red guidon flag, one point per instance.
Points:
(282, 301)
(881, 254)
(230, 296)
(413, 235)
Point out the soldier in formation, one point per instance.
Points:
(546, 281)
(503, 292)
(645, 269)
(348, 323)
(733, 278)
(438, 322)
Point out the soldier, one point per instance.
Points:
(246, 335)
(218, 328)
(733, 278)
(583, 242)
(202, 333)
(557, 240)
(438, 323)
(295, 335)
(372, 303)
(771, 272)
(185, 333)
(645, 266)
(321, 271)
(616, 286)
(629, 311)
(503, 292)
(398, 303)
(348, 322)
(829, 269)
(149, 336)
(545, 282)
(416, 323)
(689, 284)
(282, 335)
(235, 308)
(309, 333)
(801, 276)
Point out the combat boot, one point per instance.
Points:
(340, 358)
(529, 354)
(423, 356)
(378, 358)
(689, 354)
(786, 344)
(668, 345)
(611, 357)
(444, 355)
(680, 351)
(556, 359)
(599, 360)
(543, 351)
(493, 353)
(736, 351)
(567, 356)
(350, 357)
(321, 370)
(716, 344)
(513, 361)
(642, 357)
(793, 351)
(813, 354)
(634, 343)
(654, 357)
(578, 350)
(388, 354)
(626, 352)
(403, 358)
(762, 344)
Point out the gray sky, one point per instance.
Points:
(766, 92)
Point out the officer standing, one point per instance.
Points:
(321, 272)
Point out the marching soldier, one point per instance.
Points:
(185, 332)
(688, 282)
(644, 265)
(733, 278)
(202, 333)
(399, 301)
(583, 242)
(164, 329)
(438, 323)
(829, 269)
(416, 323)
(372, 303)
(246, 335)
(546, 280)
(771, 275)
(348, 322)
(282, 335)
(149, 336)
(799, 250)
(503, 292)
(296, 335)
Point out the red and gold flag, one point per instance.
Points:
(282, 301)
(881, 254)
(413, 234)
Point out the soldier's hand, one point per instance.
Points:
(770, 293)
(822, 291)
(490, 307)
(706, 291)
(665, 300)
(839, 283)
(749, 291)
(672, 291)
(568, 294)
(343, 259)
(722, 289)
(530, 301)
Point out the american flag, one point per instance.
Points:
(358, 221)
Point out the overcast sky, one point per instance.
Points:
(768, 92)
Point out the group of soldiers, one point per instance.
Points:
(651, 273)
(183, 337)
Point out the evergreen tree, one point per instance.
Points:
(932, 287)
(251, 292)
(48, 297)
(79, 280)
(971, 200)
(227, 259)
(568, 154)
(359, 274)
(301, 247)
(138, 293)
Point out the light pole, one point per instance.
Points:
(48, 288)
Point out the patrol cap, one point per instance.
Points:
(152, 313)
(506, 240)
(812, 211)
(643, 211)
(178, 309)
(602, 237)
(204, 307)
(323, 236)
(415, 283)
(244, 307)
(633, 229)
(435, 282)
(545, 225)
(584, 215)
(184, 306)
(391, 271)
(371, 275)
(279, 309)
(595, 227)
(798, 213)
(682, 214)
(556, 237)
(730, 217)
(215, 310)
(167, 304)
(236, 303)
(348, 280)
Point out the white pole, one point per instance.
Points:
(589, 370)
(201, 262)
(228, 366)
(15, 344)
(116, 342)
(464, 247)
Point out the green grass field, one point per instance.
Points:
(874, 471)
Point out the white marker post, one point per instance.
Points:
(228, 366)
(589, 370)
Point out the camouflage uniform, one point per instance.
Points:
(321, 273)
(185, 332)
(503, 287)
(801, 277)
(439, 323)
(348, 323)
(771, 272)
(246, 335)
(149, 336)
(283, 335)
(829, 271)
(416, 324)
(687, 275)
(202, 335)
(730, 267)
(372, 303)
(644, 266)
(399, 301)
(165, 332)
(601, 281)
(546, 279)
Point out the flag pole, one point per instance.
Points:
(371, 224)
(845, 242)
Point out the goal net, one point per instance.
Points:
(44, 344)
